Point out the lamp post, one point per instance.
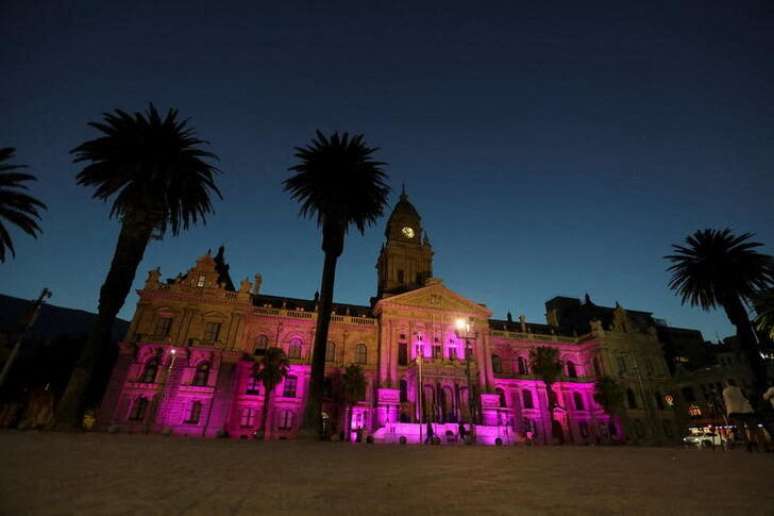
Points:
(463, 328)
(420, 396)
(33, 315)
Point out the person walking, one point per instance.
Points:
(739, 412)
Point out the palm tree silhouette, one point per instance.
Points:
(272, 368)
(544, 363)
(337, 182)
(159, 179)
(16, 207)
(718, 267)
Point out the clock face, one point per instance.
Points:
(409, 232)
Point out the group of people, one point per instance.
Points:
(740, 413)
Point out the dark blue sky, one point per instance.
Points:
(552, 149)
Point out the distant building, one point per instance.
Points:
(187, 362)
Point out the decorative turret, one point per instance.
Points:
(406, 258)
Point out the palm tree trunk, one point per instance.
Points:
(333, 244)
(130, 248)
(265, 414)
(747, 343)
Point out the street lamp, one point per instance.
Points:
(463, 328)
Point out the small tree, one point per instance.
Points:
(271, 370)
(545, 364)
(353, 388)
(609, 395)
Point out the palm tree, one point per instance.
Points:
(609, 395)
(545, 364)
(353, 386)
(159, 178)
(16, 207)
(718, 267)
(271, 370)
(338, 182)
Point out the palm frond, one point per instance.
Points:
(16, 207)
(337, 178)
(716, 264)
(149, 163)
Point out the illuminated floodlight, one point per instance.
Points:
(461, 324)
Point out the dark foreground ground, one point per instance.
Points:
(50, 473)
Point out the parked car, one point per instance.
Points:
(703, 439)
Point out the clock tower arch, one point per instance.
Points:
(406, 258)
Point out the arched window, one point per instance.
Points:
(361, 354)
(497, 364)
(501, 394)
(571, 371)
(202, 374)
(403, 391)
(195, 412)
(522, 364)
(578, 400)
(330, 352)
(261, 345)
(138, 409)
(597, 367)
(631, 399)
(149, 373)
(526, 397)
(294, 349)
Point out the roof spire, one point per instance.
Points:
(403, 192)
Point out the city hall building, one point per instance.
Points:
(430, 355)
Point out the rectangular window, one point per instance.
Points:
(437, 353)
(247, 417)
(163, 326)
(194, 412)
(402, 354)
(290, 387)
(252, 385)
(138, 409)
(452, 352)
(400, 276)
(286, 420)
(212, 331)
(200, 281)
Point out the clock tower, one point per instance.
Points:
(406, 258)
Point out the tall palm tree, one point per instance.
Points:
(545, 364)
(159, 178)
(16, 207)
(353, 386)
(336, 181)
(272, 369)
(717, 267)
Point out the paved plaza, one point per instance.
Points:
(102, 474)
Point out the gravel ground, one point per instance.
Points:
(84, 474)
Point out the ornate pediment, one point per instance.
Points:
(434, 296)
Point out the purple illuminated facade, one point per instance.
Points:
(187, 364)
